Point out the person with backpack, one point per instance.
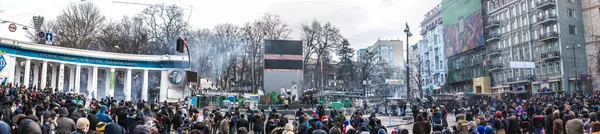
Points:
(29, 124)
(538, 122)
(497, 124)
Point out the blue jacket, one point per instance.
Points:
(102, 116)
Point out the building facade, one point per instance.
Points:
(547, 32)
(433, 61)
(389, 52)
(43, 66)
(591, 22)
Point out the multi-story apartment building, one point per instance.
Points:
(433, 63)
(591, 22)
(360, 54)
(389, 52)
(547, 32)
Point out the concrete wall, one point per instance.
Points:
(591, 22)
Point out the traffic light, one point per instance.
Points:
(180, 43)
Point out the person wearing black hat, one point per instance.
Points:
(113, 128)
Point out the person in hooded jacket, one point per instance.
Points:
(303, 125)
(103, 116)
(93, 119)
(318, 128)
(557, 124)
(258, 123)
(64, 124)
(378, 126)
(574, 126)
(242, 122)
(549, 119)
(420, 126)
(335, 130)
(29, 124)
(131, 123)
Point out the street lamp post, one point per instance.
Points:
(408, 34)
(575, 66)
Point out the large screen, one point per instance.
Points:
(463, 25)
(283, 64)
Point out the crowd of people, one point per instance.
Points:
(46, 111)
(538, 114)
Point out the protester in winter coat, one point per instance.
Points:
(526, 125)
(319, 128)
(420, 126)
(142, 129)
(242, 122)
(103, 116)
(258, 122)
(114, 128)
(4, 128)
(538, 122)
(64, 124)
(594, 124)
(557, 125)
(548, 121)
(224, 128)
(335, 130)
(93, 119)
(575, 126)
(29, 125)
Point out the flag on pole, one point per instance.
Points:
(185, 41)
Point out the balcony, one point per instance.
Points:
(548, 36)
(546, 20)
(493, 24)
(492, 37)
(545, 4)
(495, 67)
(493, 51)
(551, 55)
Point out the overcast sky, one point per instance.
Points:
(362, 22)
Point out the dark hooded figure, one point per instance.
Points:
(64, 124)
(131, 122)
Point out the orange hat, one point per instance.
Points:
(323, 117)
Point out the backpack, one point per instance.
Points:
(501, 130)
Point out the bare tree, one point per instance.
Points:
(319, 40)
(269, 26)
(166, 25)
(78, 26)
(126, 36)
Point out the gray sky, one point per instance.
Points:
(362, 22)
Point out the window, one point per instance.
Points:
(571, 12)
(572, 29)
(557, 67)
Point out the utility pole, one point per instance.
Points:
(575, 66)
(408, 34)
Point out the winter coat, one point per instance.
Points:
(93, 121)
(79, 131)
(548, 125)
(102, 116)
(526, 125)
(513, 124)
(224, 128)
(65, 124)
(462, 123)
(319, 131)
(575, 126)
(258, 122)
(538, 121)
(29, 125)
(420, 126)
(557, 126)
(243, 123)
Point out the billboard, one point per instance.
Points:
(463, 25)
(283, 65)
